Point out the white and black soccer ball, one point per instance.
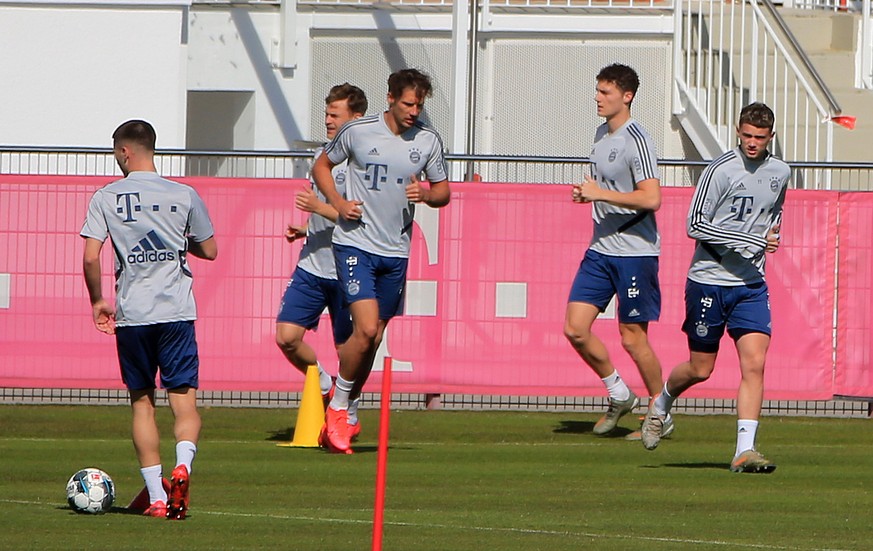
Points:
(90, 491)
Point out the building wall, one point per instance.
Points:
(73, 72)
(245, 77)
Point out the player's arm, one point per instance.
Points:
(307, 201)
(103, 312)
(704, 203)
(207, 249)
(322, 174)
(646, 196)
(438, 194)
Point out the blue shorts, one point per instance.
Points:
(365, 275)
(306, 297)
(709, 309)
(633, 278)
(172, 347)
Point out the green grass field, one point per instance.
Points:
(456, 481)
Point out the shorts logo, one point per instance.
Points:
(634, 313)
(701, 329)
(633, 292)
(354, 287)
(414, 156)
(613, 153)
(706, 302)
(352, 261)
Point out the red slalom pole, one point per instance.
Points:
(382, 456)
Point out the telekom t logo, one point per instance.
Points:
(127, 206)
(375, 174)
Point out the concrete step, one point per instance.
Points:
(817, 30)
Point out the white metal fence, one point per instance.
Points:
(488, 168)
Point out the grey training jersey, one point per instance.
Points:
(380, 164)
(619, 161)
(736, 202)
(316, 256)
(149, 220)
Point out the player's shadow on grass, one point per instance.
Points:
(587, 427)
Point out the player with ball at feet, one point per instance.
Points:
(154, 224)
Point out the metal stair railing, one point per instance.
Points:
(728, 55)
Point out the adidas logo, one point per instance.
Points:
(741, 186)
(373, 152)
(634, 313)
(150, 249)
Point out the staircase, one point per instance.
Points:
(830, 40)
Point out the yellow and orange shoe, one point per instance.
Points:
(752, 461)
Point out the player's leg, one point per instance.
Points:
(289, 339)
(139, 366)
(704, 326)
(749, 326)
(578, 320)
(639, 303)
(592, 289)
(635, 341)
(180, 366)
(302, 304)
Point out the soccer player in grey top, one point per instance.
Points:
(386, 153)
(734, 216)
(622, 259)
(314, 285)
(153, 224)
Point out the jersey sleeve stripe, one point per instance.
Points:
(642, 145)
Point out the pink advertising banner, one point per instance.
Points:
(854, 376)
(488, 283)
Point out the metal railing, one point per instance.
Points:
(69, 161)
(728, 55)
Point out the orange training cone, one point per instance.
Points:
(310, 415)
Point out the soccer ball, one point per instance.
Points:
(90, 491)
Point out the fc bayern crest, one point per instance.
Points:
(613, 153)
(701, 330)
(340, 177)
(774, 184)
(414, 156)
(354, 288)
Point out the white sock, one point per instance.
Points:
(340, 399)
(152, 477)
(324, 380)
(353, 411)
(185, 452)
(663, 402)
(616, 387)
(747, 429)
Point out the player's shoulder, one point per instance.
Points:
(360, 124)
(427, 132)
(778, 164)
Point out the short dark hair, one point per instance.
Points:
(136, 131)
(409, 78)
(758, 115)
(624, 77)
(355, 97)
